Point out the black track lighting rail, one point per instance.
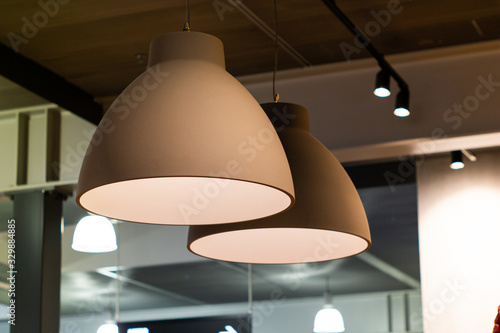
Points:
(384, 65)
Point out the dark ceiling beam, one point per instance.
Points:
(47, 84)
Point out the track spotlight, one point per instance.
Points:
(382, 84)
(456, 160)
(402, 103)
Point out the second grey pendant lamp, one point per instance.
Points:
(328, 220)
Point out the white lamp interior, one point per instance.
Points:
(185, 200)
(297, 245)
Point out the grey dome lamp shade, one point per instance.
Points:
(327, 222)
(185, 143)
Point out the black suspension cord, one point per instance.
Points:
(276, 96)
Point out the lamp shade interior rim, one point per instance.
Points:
(192, 200)
(244, 242)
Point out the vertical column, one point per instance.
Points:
(459, 237)
(53, 152)
(38, 217)
(22, 149)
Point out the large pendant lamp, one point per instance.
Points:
(327, 222)
(185, 143)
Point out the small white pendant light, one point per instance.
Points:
(186, 144)
(327, 222)
(94, 234)
(328, 319)
(108, 328)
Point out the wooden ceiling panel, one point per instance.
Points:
(93, 43)
(490, 27)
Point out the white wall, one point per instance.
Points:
(459, 228)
